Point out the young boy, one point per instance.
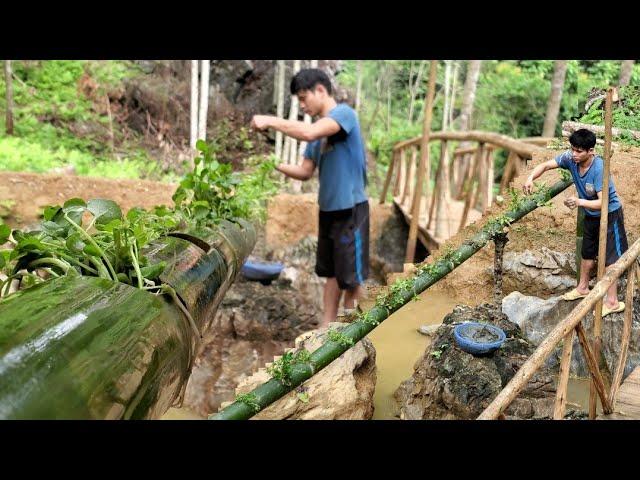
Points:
(335, 147)
(587, 171)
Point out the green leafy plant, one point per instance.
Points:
(282, 368)
(250, 400)
(339, 337)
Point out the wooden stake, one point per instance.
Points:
(563, 377)
(424, 160)
(468, 187)
(387, 180)
(626, 335)
(592, 363)
(602, 247)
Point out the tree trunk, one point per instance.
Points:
(193, 106)
(293, 115)
(358, 84)
(626, 68)
(454, 82)
(280, 105)
(468, 99)
(469, 93)
(388, 100)
(413, 89)
(204, 100)
(9, 83)
(447, 91)
(557, 84)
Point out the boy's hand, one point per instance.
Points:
(260, 122)
(528, 186)
(572, 202)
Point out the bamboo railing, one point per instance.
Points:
(465, 177)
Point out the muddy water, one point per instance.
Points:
(578, 394)
(399, 345)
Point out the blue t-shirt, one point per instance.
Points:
(341, 162)
(589, 184)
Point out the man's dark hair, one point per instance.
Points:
(583, 139)
(308, 79)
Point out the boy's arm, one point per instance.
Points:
(573, 202)
(299, 172)
(306, 132)
(539, 170)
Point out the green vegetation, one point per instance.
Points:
(58, 123)
(109, 244)
(282, 368)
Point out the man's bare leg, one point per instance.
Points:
(585, 272)
(350, 297)
(331, 300)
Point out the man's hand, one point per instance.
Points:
(261, 122)
(572, 202)
(528, 186)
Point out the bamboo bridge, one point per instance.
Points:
(463, 183)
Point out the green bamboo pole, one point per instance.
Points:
(270, 391)
(79, 347)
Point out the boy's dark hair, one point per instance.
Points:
(308, 78)
(583, 139)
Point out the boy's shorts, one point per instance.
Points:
(343, 246)
(616, 237)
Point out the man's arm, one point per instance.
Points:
(306, 132)
(299, 172)
(539, 170)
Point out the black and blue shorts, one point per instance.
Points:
(343, 246)
(616, 237)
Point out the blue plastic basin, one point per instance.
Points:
(261, 271)
(463, 335)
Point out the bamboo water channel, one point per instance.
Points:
(270, 391)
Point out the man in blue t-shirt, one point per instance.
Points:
(587, 171)
(335, 147)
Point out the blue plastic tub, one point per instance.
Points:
(263, 272)
(487, 337)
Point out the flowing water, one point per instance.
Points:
(399, 345)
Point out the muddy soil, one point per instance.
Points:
(23, 195)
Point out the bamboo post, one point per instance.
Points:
(579, 237)
(424, 159)
(402, 180)
(508, 171)
(387, 180)
(546, 347)
(563, 377)
(602, 246)
(399, 173)
(489, 190)
(410, 184)
(626, 334)
(436, 190)
(469, 191)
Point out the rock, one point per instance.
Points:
(66, 170)
(428, 330)
(449, 383)
(543, 272)
(253, 323)
(537, 317)
(341, 391)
